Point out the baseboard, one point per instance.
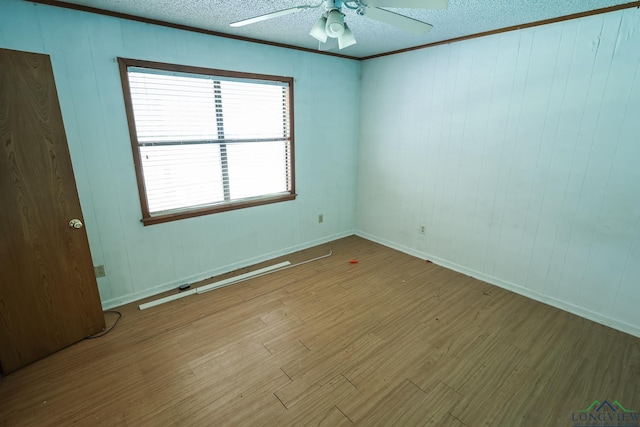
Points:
(562, 305)
(164, 287)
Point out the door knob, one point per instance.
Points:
(75, 223)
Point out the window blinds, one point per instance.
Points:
(205, 139)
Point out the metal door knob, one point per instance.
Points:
(75, 223)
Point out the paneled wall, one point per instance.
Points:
(142, 261)
(519, 154)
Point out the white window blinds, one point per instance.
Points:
(209, 140)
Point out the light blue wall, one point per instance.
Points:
(142, 261)
(520, 154)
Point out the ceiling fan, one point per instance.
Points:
(331, 26)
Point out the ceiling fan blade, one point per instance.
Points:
(409, 4)
(403, 22)
(269, 16)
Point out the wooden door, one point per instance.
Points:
(48, 292)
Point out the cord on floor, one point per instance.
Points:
(103, 333)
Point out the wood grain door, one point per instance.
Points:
(48, 292)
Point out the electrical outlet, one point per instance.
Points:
(320, 219)
(99, 270)
(423, 229)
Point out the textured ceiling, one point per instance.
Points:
(461, 18)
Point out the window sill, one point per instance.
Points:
(174, 216)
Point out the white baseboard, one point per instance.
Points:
(136, 296)
(562, 305)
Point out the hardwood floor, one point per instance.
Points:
(391, 340)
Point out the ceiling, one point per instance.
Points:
(461, 18)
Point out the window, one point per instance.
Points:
(206, 140)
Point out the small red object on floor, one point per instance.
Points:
(426, 260)
(353, 261)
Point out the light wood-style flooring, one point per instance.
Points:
(391, 340)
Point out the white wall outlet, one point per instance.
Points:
(423, 229)
(99, 270)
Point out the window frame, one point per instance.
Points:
(147, 217)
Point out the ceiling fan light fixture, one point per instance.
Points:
(347, 38)
(318, 31)
(335, 24)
